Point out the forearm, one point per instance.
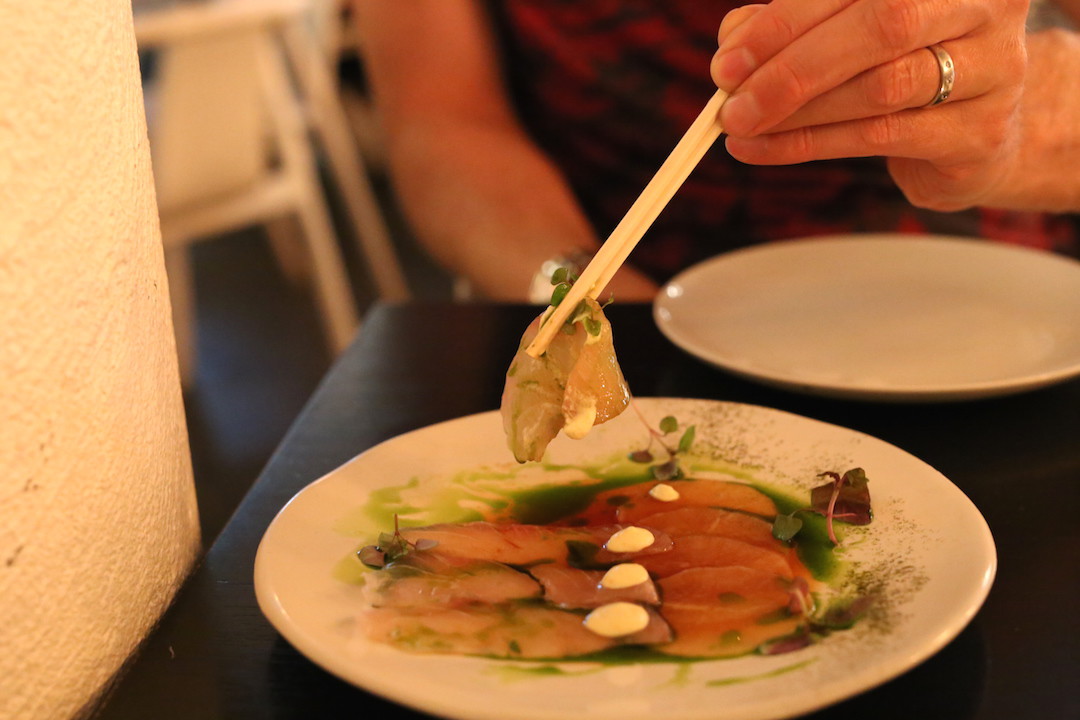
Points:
(478, 192)
(485, 203)
(1043, 173)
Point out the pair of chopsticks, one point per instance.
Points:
(702, 133)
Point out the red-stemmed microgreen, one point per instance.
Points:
(841, 614)
(800, 601)
(667, 466)
(391, 547)
(844, 497)
(797, 640)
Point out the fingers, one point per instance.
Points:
(734, 19)
(945, 134)
(887, 135)
(829, 51)
(852, 78)
(758, 36)
(910, 81)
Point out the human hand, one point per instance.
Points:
(852, 78)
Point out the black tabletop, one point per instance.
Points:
(1016, 457)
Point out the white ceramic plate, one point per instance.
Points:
(886, 317)
(928, 548)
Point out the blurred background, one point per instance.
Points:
(279, 226)
(277, 217)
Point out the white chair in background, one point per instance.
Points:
(343, 38)
(242, 102)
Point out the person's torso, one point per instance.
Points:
(607, 87)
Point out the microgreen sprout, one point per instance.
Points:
(840, 614)
(666, 467)
(800, 602)
(786, 527)
(562, 279)
(559, 293)
(844, 497)
(391, 547)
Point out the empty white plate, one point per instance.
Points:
(885, 317)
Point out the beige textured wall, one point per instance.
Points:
(97, 510)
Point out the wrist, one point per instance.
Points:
(540, 288)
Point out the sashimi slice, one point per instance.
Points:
(694, 551)
(713, 521)
(706, 634)
(532, 397)
(633, 503)
(733, 590)
(595, 388)
(426, 579)
(510, 631)
(719, 583)
(517, 544)
(661, 543)
(568, 587)
(574, 385)
(723, 611)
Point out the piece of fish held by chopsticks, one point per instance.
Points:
(573, 386)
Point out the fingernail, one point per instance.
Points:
(731, 67)
(740, 115)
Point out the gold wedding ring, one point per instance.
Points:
(947, 71)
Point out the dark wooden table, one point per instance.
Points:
(1017, 458)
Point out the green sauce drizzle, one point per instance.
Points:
(471, 495)
(549, 503)
(761, 676)
(813, 545)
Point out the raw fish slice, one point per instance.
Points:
(595, 388)
(483, 630)
(657, 632)
(572, 588)
(725, 611)
(576, 384)
(532, 397)
(693, 551)
(510, 631)
(726, 589)
(425, 579)
(712, 521)
(632, 503)
(707, 634)
(516, 544)
(509, 543)
(662, 543)
(698, 493)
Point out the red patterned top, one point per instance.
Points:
(607, 87)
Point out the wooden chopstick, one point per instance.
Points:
(688, 152)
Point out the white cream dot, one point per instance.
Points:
(624, 575)
(663, 492)
(617, 619)
(629, 539)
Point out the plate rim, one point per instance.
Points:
(860, 391)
